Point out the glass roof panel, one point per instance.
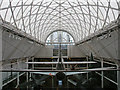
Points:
(41, 17)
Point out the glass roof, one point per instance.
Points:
(41, 17)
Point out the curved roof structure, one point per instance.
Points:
(41, 17)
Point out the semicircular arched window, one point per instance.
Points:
(60, 37)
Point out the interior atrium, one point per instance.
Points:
(59, 44)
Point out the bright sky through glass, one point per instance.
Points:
(41, 17)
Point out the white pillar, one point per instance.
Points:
(87, 68)
(27, 68)
(32, 68)
(1, 57)
(27, 77)
(102, 84)
(18, 75)
(18, 79)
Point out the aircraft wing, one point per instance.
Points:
(82, 70)
(82, 62)
(73, 73)
(88, 70)
(46, 73)
(54, 73)
(98, 69)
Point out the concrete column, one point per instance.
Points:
(18, 75)
(1, 57)
(102, 84)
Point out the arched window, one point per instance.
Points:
(54, 38)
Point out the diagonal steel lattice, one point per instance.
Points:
(41, 17)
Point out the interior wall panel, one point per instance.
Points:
(17, 47)
(103, 46)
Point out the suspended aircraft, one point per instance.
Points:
(60, 71)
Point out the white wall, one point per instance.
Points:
(45, 52)
(74, 51)
(17, 47)
(102, 46)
